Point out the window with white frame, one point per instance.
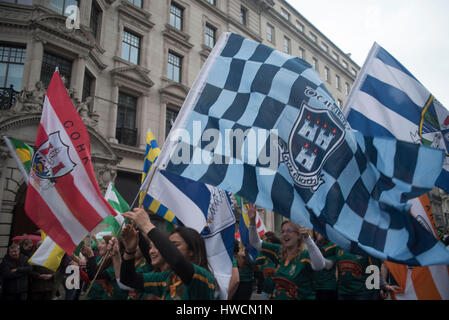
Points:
(287, 45)
(299, 26)
(313, 37)
(347, 88)
(337, 82)
(301, 53)
(176, 16)
(270, 33)
(174, 67)
(334, 56)
(315, 63)
(137, 3)
(326, 74)
(285, 14)
(61, 6)
(324, 47)
(130, 47)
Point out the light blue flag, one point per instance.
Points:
(387, 100)
(206, 209)
(262, 125)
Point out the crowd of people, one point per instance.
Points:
(148, 263)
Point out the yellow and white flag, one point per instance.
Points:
(48, 255)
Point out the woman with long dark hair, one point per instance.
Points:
(188, 277)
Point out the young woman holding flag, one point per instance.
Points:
(296, 259)
(188, 277)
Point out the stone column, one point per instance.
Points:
(78, 76)
(113, 114)
(35, 56)
(143, 121)
(162, 118)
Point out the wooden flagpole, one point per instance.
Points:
(106, 256)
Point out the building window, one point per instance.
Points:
(130, 47)
(243, 15)
(324, 47)
(212, 2)
(326, 74)
(339, 103)
(95, 20)
(137, 3)
(12, 60)
(312, 37)
(344, 64)
(287, 45)
(174, 67)
(337, 82)
(49, 64)
(299, 26)
(88, 85)
(270, 33)
(334, 56)
(24, 2)
(170, 117)
(60, 6)
(315, 63)
(301, 53)
(285, 14)
(126, 132)
(176, 16)
(347, 88)
(354, 72)
(210, 36)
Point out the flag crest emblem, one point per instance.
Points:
(52, 159)
(314, 137)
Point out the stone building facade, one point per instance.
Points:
(128, 66)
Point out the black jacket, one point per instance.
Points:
(15, 282)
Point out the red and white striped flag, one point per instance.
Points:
(421, 283)
(63, 197)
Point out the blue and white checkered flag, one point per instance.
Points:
(261, 124)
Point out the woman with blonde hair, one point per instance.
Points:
(296, 259)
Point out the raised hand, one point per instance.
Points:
(140, 218)
(86, 251)
(252, 213)
(304, 232)
(129, 238)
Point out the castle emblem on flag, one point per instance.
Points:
(52, 159)
(314, 137)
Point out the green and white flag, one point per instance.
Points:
(112, 224)
(22, 153)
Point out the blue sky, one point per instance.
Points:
(415, 32)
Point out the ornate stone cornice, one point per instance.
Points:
(179, 37)
(52, 27)
(134, 15)
(132, 75)
(94, 56)
(174, 93)
(9, 120)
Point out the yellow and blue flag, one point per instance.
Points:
(152, 151)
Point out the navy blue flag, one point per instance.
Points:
(261, 124)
